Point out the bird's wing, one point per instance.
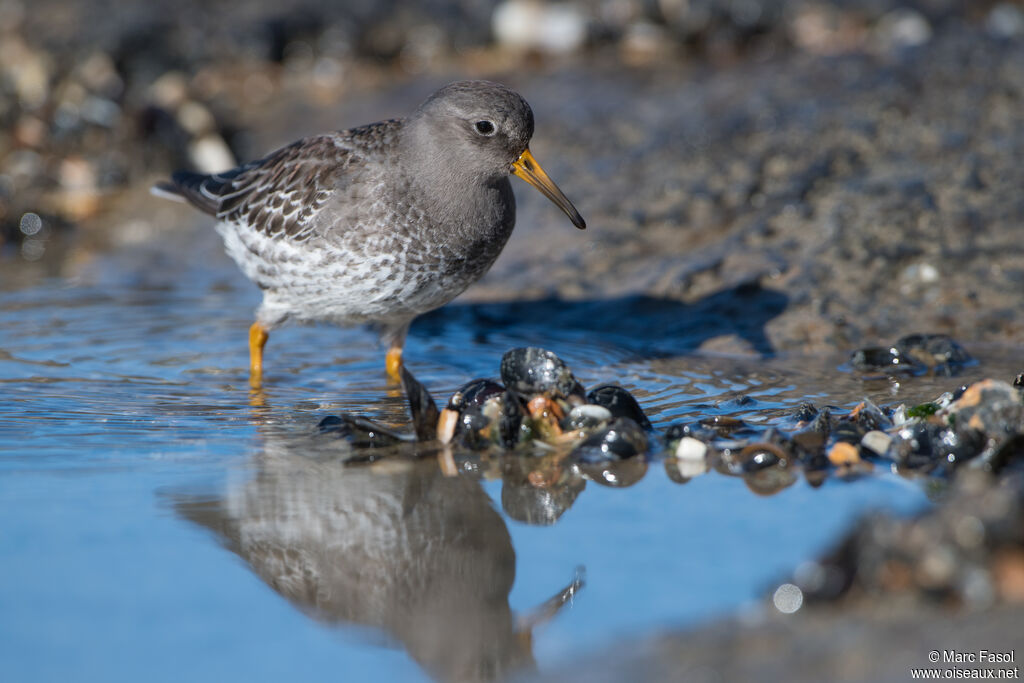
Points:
(280, 194)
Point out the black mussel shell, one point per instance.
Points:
(479, 426)
(360, 432)
(510, 421)
(771, 450)
(933, 349)
(762, 455)
(814, 436)
(422, 407)
(529, 371)
(927, 446)
(619, 402)
(870, 416)
(771, 480)
(696, 430)
(849, 432)
(526, 503)
(805, 412)
(615, 473)
(474, 394)
(622, 439)
(887, 359)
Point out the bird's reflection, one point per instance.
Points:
(396, 546)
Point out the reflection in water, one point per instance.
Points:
(396, 546)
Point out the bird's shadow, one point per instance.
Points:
(641, 324)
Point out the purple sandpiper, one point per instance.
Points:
(376, 224)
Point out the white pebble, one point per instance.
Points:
(876, 442)
(591, 411)
(691, 449)
(210, 154)
(531, 25)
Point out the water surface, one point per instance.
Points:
(159, 523)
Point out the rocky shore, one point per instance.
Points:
(858, 160)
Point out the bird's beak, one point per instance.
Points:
(527, 168)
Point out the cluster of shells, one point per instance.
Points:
(539, 408)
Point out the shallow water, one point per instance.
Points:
(159, 523)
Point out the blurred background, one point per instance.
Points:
(861, 156)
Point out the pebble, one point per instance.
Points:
(170, 90)
(1005, 20)
(691, 449)
(554, 29)
(27, 69)
(195, 118)
(902, 28)
(645, 43)
(210, 154)
(877, 442)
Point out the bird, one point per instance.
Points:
(380, 223)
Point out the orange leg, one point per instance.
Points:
(257, 340)
(393, 363)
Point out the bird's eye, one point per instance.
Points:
(484, 128)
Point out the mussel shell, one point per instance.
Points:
(622, 439)
(773, 450)
(805, 412)
(586, 418)
(887, 359)
(814, 436)
(849, 432)
(619, 402)
(933, 349)
(761, 455)
(771, 480)
(474, 394)
(927, 445)
(678, 430)
(616, 473)
(421, 406)
(510, 420)
(870, 416)
(489, 418)
(360, 431)
(529, 371)
(727, 427)
(526, 503)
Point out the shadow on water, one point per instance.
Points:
(395, 546)
(647, 325)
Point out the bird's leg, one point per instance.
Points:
(395, 336)
(545, 612)
(393, 362)
(257, 340)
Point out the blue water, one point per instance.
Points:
(143, 491)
